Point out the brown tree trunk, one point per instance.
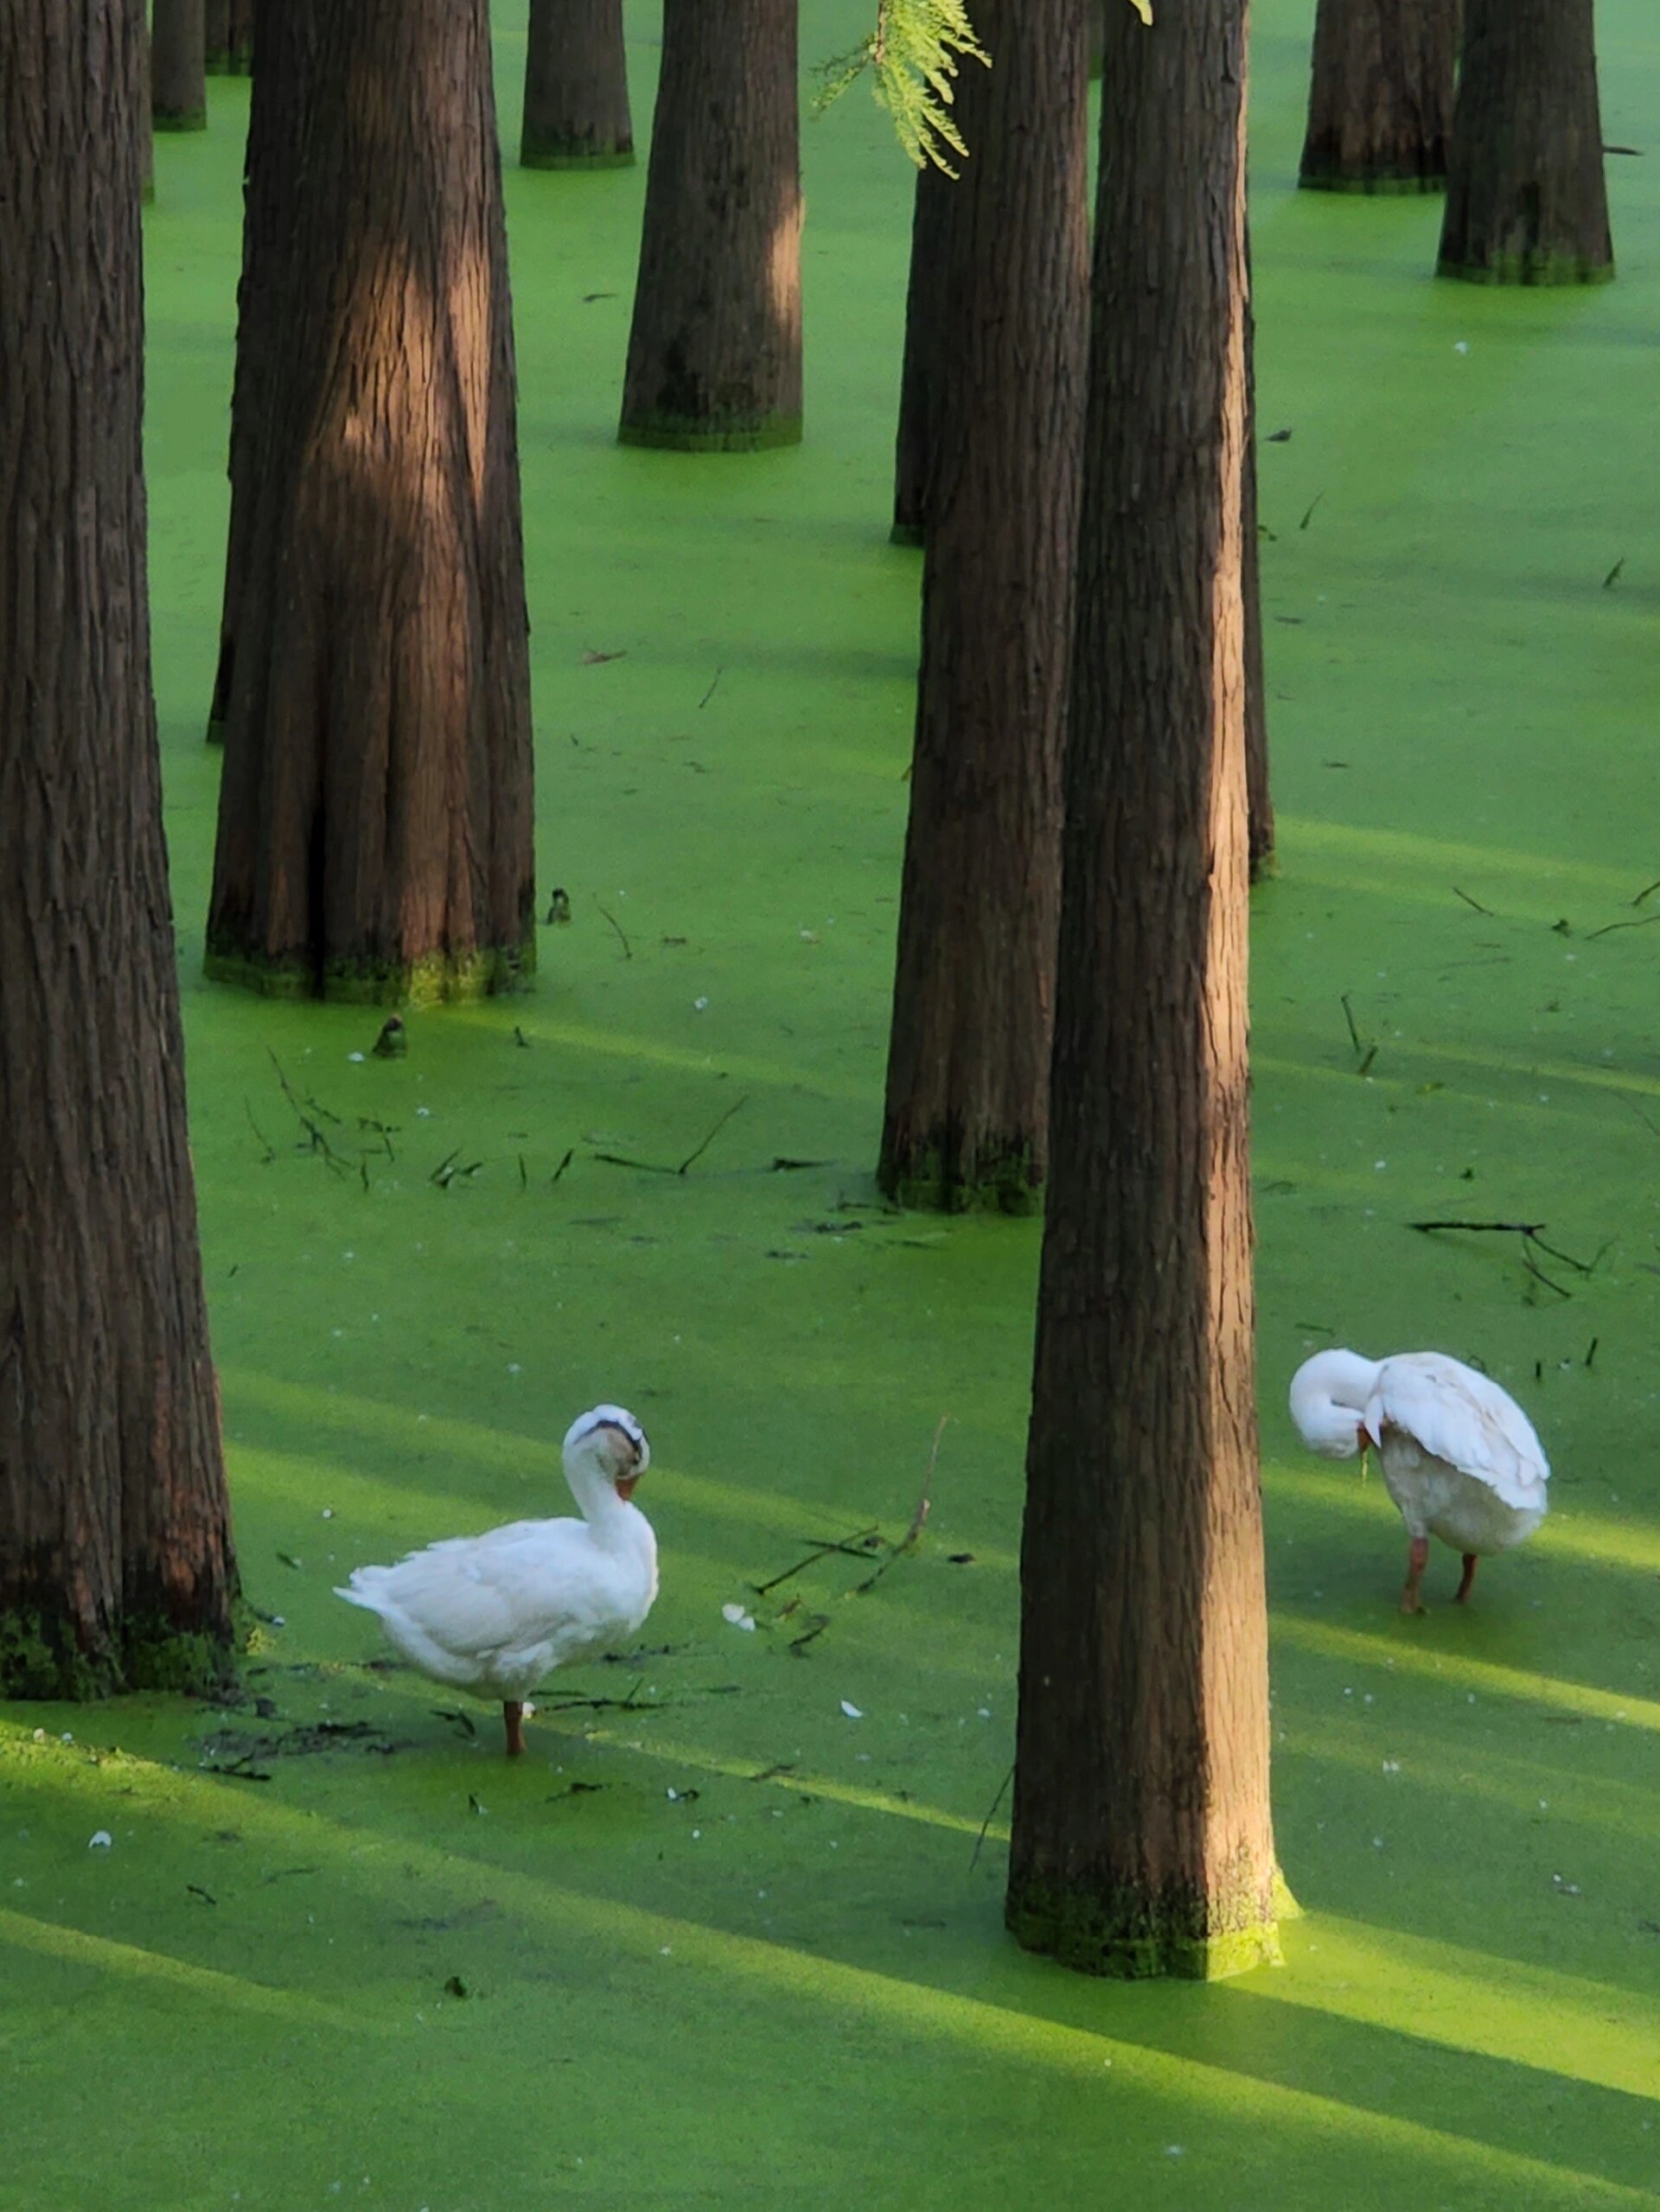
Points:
(921, 376)
(967, 1095)
(1380, 105)
(1142, 1839)
(375, 814)
(146, 131)
(1095, 16)
(576, 87)
(1258, 798)
(1526, 203)
(178, 87)
(227, 36)
(116, 1566)
(715, 350)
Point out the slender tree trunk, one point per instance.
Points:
(1142, 1841)
(967, 1094)
(1380, 106)
(116, 1566)
(178, 90)
(375, 815)
(1526, 201)
(922, 375)
(1260, 799)
(146, 132)
(228, 36)
(577, 87)
(715, 350)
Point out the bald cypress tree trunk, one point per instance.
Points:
(715, 347)
(227, 36)
(1142, 1840)
(375, 812)
(967, 1114)
(922, 373)
(1259, 795)
(1526, 201)
(576, 87)
(178, 89)
(116, 1565)
(1380, 106)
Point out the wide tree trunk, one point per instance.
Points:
(715, 350)
(1380, 104)
(1142, 1840)
(576, 87)
(116, 1566)
(375, 814)
(1259, 797)
(921, 374)
(178, 87)
(227, 39)
(1526, 201)
(966, 1115)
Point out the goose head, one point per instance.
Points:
(607, 1442)
(1329, 1397)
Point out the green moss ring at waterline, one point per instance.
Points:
(550, 155)
(1529, 268)
(673, 434)
(1379, 186)
(439, 978)
(194, 118)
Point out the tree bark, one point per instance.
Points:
(577, 87)
(375, 812)
(1142, 1841)
(116, 1565)
(1526, 201)
(966, 1115)
(227, 29)
(1380, 107)
(146, 131)
(715, 350)
(1260, 799)
(1095, 16)
(178, 90)
(923, 373)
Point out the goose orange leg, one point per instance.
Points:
(513, 1714)
(1417, 1560)
(1469, 1577)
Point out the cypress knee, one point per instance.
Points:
(1380, 104)
(966, 1121)
(117, 1570)
(715, 350)
(576, 87)
(375, 809)
(1527, 200)
(178, 90)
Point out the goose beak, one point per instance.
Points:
(625, 1485)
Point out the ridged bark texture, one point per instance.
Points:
(576, 87)
(178, 89)
(116, 1565)
(1142, 1841)
(1527, 200)
(375, 812)
(923, 371)
(1259, 797)
(227, 36)
(715, 348)
(1380, 104)
(967, 1114)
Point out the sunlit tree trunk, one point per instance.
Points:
(576, 87)
(375, 812)
(1380, 104)
(1142, 1841)
(1260, 799)
(966, 1122)
(116, 1565)
(715, 348)
(1526, 201)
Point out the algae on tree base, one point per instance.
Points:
(436, 979)
(576, 87)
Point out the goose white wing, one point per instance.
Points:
(530, 1582)
(1465, 1418)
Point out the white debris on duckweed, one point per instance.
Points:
(852, 1712)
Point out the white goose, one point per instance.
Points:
(1459, 1457)
(493, 1613)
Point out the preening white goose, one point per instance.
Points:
(493, 1613)
(1459, 1454)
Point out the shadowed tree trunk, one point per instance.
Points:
(715, 350)
(146, 133)
(1526, 203)
(178, 87)
(116, 1566)
(919, 377)
(967, 1093)
(376, 816)
(576, 87)
(1096, 15)
(227, 36)
(1142, 1841)
(1380, 105)
(1260, 797)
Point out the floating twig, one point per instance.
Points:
(1348, 1017)
(657, 1167)
(691, 1157)
(1308, 513)
(1647, 892)
(710, 693)
(563, 1165)
(1608, 928)
(908, 1541)
(819, 1552)
(1468, 900)
(621, 935)
(991, 1814)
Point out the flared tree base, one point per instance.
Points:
(1373, 183)
(45, 1660)
(672, 434)
(228, 65)
(907, 533)
(939, 1179)
(1528, 269)
(1138, 1938)
(552, 153)
(434, 979)
(191, 119)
